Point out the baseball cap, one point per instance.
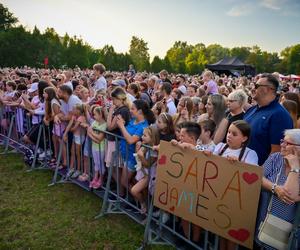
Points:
(182, 89)
(33, 87)
(119, 82)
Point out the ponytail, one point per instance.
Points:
(223, 149)
(147, 112)
(242, 151)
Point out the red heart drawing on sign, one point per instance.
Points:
(162, 160)
(241, 234)
(172, 208)
(250, 177)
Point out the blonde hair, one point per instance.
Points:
(154, 134)
(120, 94)
(101, 92)
(188, 103)
(80, 108)
(99, 110)
(208, 73)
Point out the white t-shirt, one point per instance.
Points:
(53, 102)
(171, 106)
(209, 147)
(69, 84)
(100, 83)
(68, 107)
(249, 156)
(130, 97)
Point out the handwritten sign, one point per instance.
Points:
(209, 191)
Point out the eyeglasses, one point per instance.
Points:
(256, 85)
(287, 143)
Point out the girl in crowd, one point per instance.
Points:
(215, 108)
(84, 95)
(202, 104)
(147, 159)
(79, 136)
(134, 90)
(52, 108)
(291, 107)
(196, 112)
(36, 108)
(142, 116)
(184, 110)
(292, 97)
(121, 106)
(98, 145)
(160, 107)
(235, 149)
(157, 97)
(165, 127)
(176, 94)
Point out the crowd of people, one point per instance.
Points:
(250, 119)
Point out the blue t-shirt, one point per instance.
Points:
(133, 129)
(267, 127)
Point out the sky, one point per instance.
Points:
(270, 24)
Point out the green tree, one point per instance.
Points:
(7, 19)
(196, 60)
(241, 52)
(255, 58)
(177, 54)
(216, 52)
(139, 53)
(157, 64)
(293, 60)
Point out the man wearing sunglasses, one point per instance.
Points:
(268, 119)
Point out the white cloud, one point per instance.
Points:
(272, 4)
(240, 10)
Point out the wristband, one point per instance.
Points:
(295, 170)
(274, 185)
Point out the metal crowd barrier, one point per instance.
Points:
(158, 229)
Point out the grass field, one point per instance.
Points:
(35, 216)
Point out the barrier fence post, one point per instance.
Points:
(12, 120)
(36, 148)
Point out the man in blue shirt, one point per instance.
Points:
(268, 119)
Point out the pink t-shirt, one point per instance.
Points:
(212, 86)
(79, 130)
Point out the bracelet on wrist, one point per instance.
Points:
(295, 170)
(274, 185)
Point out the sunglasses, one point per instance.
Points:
(284, 142)
(256, 85)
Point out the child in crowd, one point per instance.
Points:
(87, 149)
(165, 127)
(177, 131)
(98, 145)
(205, 141)
(184, 110)
(189, 134)
(235, 147)
(147, 158)
(79, 136)
(52, 108)
(84, 95)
